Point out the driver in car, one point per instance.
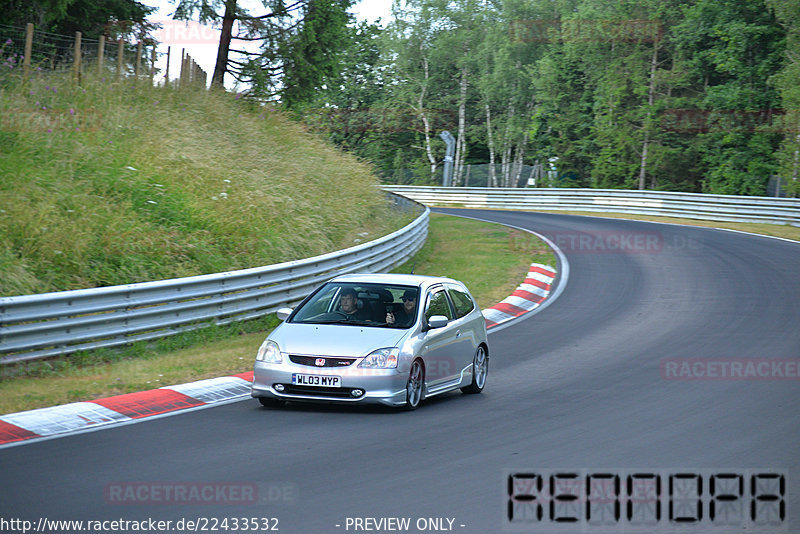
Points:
(348, 305)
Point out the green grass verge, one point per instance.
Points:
(491, 259)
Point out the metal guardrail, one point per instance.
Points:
(50, 324)
(686, 205)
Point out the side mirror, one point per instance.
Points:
(438, 321)
(284, 313)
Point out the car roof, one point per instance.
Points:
(393, 278)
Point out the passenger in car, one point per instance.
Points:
(404, 316)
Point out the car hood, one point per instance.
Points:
(334, 340)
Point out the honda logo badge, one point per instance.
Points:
(320, 362)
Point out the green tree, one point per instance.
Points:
(422, 80)
(98, 17)
(350, 107)
(599, 86)
(39, 12)
(312, 57)
(90, 17)
(786, 82)
(731, 48)
(236, 23)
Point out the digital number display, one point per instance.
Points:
(652, 500)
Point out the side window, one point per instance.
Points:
(461, 300)
(437, 305)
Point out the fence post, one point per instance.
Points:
(26, 61)
(101, 48)
(120, 52)
(152, 64)
(138, 67)
(76, 65)
(166, 74)
(183, 67)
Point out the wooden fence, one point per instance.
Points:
(33, 49)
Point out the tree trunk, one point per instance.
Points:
(643, 163)
(462, 122)
(428, 148)
(507, 145)
(217, 80)
(506, 166)
(491, 180)
(650, 100)
(424, 116)
(519, 158)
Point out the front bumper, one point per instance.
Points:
(380, 386)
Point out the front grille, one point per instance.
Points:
(338, 393)
(311, 361)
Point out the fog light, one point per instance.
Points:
(357, 392)
(278, 387)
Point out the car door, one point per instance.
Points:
(467, 328)
(439, 348)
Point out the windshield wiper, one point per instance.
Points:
(330, 321)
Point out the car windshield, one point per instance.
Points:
(377, 305)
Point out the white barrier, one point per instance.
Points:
(667, 204)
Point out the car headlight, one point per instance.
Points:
(269, 352)
(381, 359)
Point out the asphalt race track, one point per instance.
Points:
(625, 372)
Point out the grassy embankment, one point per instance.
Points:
(104, 184)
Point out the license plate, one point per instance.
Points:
(316, 380)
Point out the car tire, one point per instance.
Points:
(414, 386)
(269, 402)
(480, 370)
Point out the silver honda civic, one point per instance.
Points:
(392, 339)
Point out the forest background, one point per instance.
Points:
(677, 95)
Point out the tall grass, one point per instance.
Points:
(105, 183)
